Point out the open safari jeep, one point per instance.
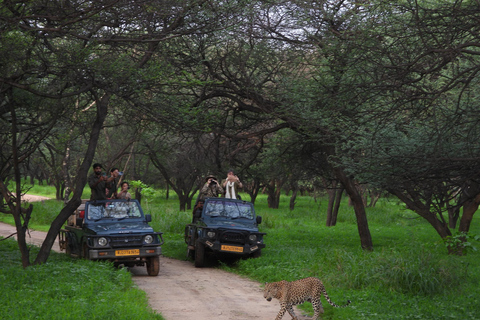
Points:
(114, 230)
(224, 228)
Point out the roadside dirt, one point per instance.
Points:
(181, 291)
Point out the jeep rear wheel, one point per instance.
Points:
(153, 266)
(199, 254)
(68, 250)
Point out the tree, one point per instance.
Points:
(92, 51)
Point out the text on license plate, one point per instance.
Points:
(232, 248)
(132, 252)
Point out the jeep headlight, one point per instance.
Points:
(252, 237)
(211, 234)
(102, 241)
(148, 239)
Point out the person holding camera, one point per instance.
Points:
(112, 184)
(231, 185)
(98, 182)
(211, 188)
(124, 194)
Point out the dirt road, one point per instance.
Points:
(181, 291)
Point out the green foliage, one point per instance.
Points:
(461, 242)
(146, 191)
(67, 289)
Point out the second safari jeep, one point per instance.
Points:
(226, 227)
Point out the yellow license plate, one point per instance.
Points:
(132, 252)
(232, 248)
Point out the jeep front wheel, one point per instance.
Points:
(153, 266)
(199, 254)
(257, 253)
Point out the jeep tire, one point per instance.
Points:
(257, 253)
(199, 254)
(153, 266)
(190, 254)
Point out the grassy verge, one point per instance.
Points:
(407, 276)
(67, 289)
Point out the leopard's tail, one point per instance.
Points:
(330, 301)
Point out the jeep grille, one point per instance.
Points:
(236, 237)
(126, 241)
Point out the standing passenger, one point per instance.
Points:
(97, 182)
(231, 185)
(112, 184)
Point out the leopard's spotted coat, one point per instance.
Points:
(297, 292)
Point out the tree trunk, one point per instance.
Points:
(253, 190)
(338, 200)
(22, 230)
(331, 192)
(374, 197)
(424, 211)
(292, 199)
(16, 206)
(80, 182)
(453, 215)
(183, 202)
(359, 208)
(273, 193)
(469, 209)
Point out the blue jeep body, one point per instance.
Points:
(114, 230)
(225, 227)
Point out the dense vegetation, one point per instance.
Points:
(365, 97)
(408, 276)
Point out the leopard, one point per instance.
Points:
(297, 292)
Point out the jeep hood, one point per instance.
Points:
(120, 228)
(232, 224)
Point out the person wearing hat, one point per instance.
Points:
(211, 188)
(97, 182)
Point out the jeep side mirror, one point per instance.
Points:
(259, 219)
(148, 217)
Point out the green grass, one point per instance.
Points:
(408, 275)
(65, 288)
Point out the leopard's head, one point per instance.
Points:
(271, 290)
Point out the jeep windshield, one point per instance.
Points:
(113, 209)
(227, 209)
